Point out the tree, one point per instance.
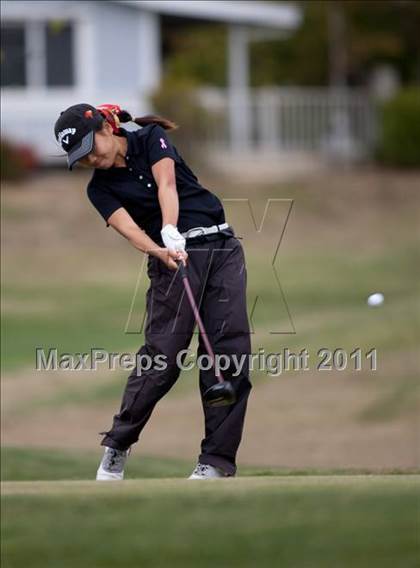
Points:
(375, 31)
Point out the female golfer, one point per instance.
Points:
(143, 188)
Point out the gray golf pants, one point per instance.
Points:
(217, 274)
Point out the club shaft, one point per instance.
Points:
(200, 323)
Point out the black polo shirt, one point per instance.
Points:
(134, 188)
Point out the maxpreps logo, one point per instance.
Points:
(63, 136)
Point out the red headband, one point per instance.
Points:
(110, 113)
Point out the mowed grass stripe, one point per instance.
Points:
(146, 487)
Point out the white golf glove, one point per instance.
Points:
(172, 238)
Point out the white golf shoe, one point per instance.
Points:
(205, 471)
(112, 465)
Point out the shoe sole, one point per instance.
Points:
(105, 476)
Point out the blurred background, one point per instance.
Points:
(312, 105)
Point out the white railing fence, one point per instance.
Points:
(337, 122)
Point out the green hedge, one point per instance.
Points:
(400, 130)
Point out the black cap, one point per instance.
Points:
(75, 131)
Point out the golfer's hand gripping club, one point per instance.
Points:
(174, 243)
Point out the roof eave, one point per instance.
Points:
(281, 16)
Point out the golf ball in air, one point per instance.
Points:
(376, 299)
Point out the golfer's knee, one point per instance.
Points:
(244, 385)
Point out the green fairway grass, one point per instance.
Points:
(325, 522)
(50, 464)
(24, 464)
(97, 314)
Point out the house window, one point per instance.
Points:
(59, 54)
(37, 54)
(13, 65)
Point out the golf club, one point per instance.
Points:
(222, 393)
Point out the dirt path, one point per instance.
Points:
(300, 421)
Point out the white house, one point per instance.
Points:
(57, 53)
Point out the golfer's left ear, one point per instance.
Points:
(164, 172)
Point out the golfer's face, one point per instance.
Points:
(104, 151)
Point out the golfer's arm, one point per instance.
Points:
(123, 223)
(164, 175)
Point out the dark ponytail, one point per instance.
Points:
(125, 116)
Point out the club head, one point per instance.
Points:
(220, 394)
